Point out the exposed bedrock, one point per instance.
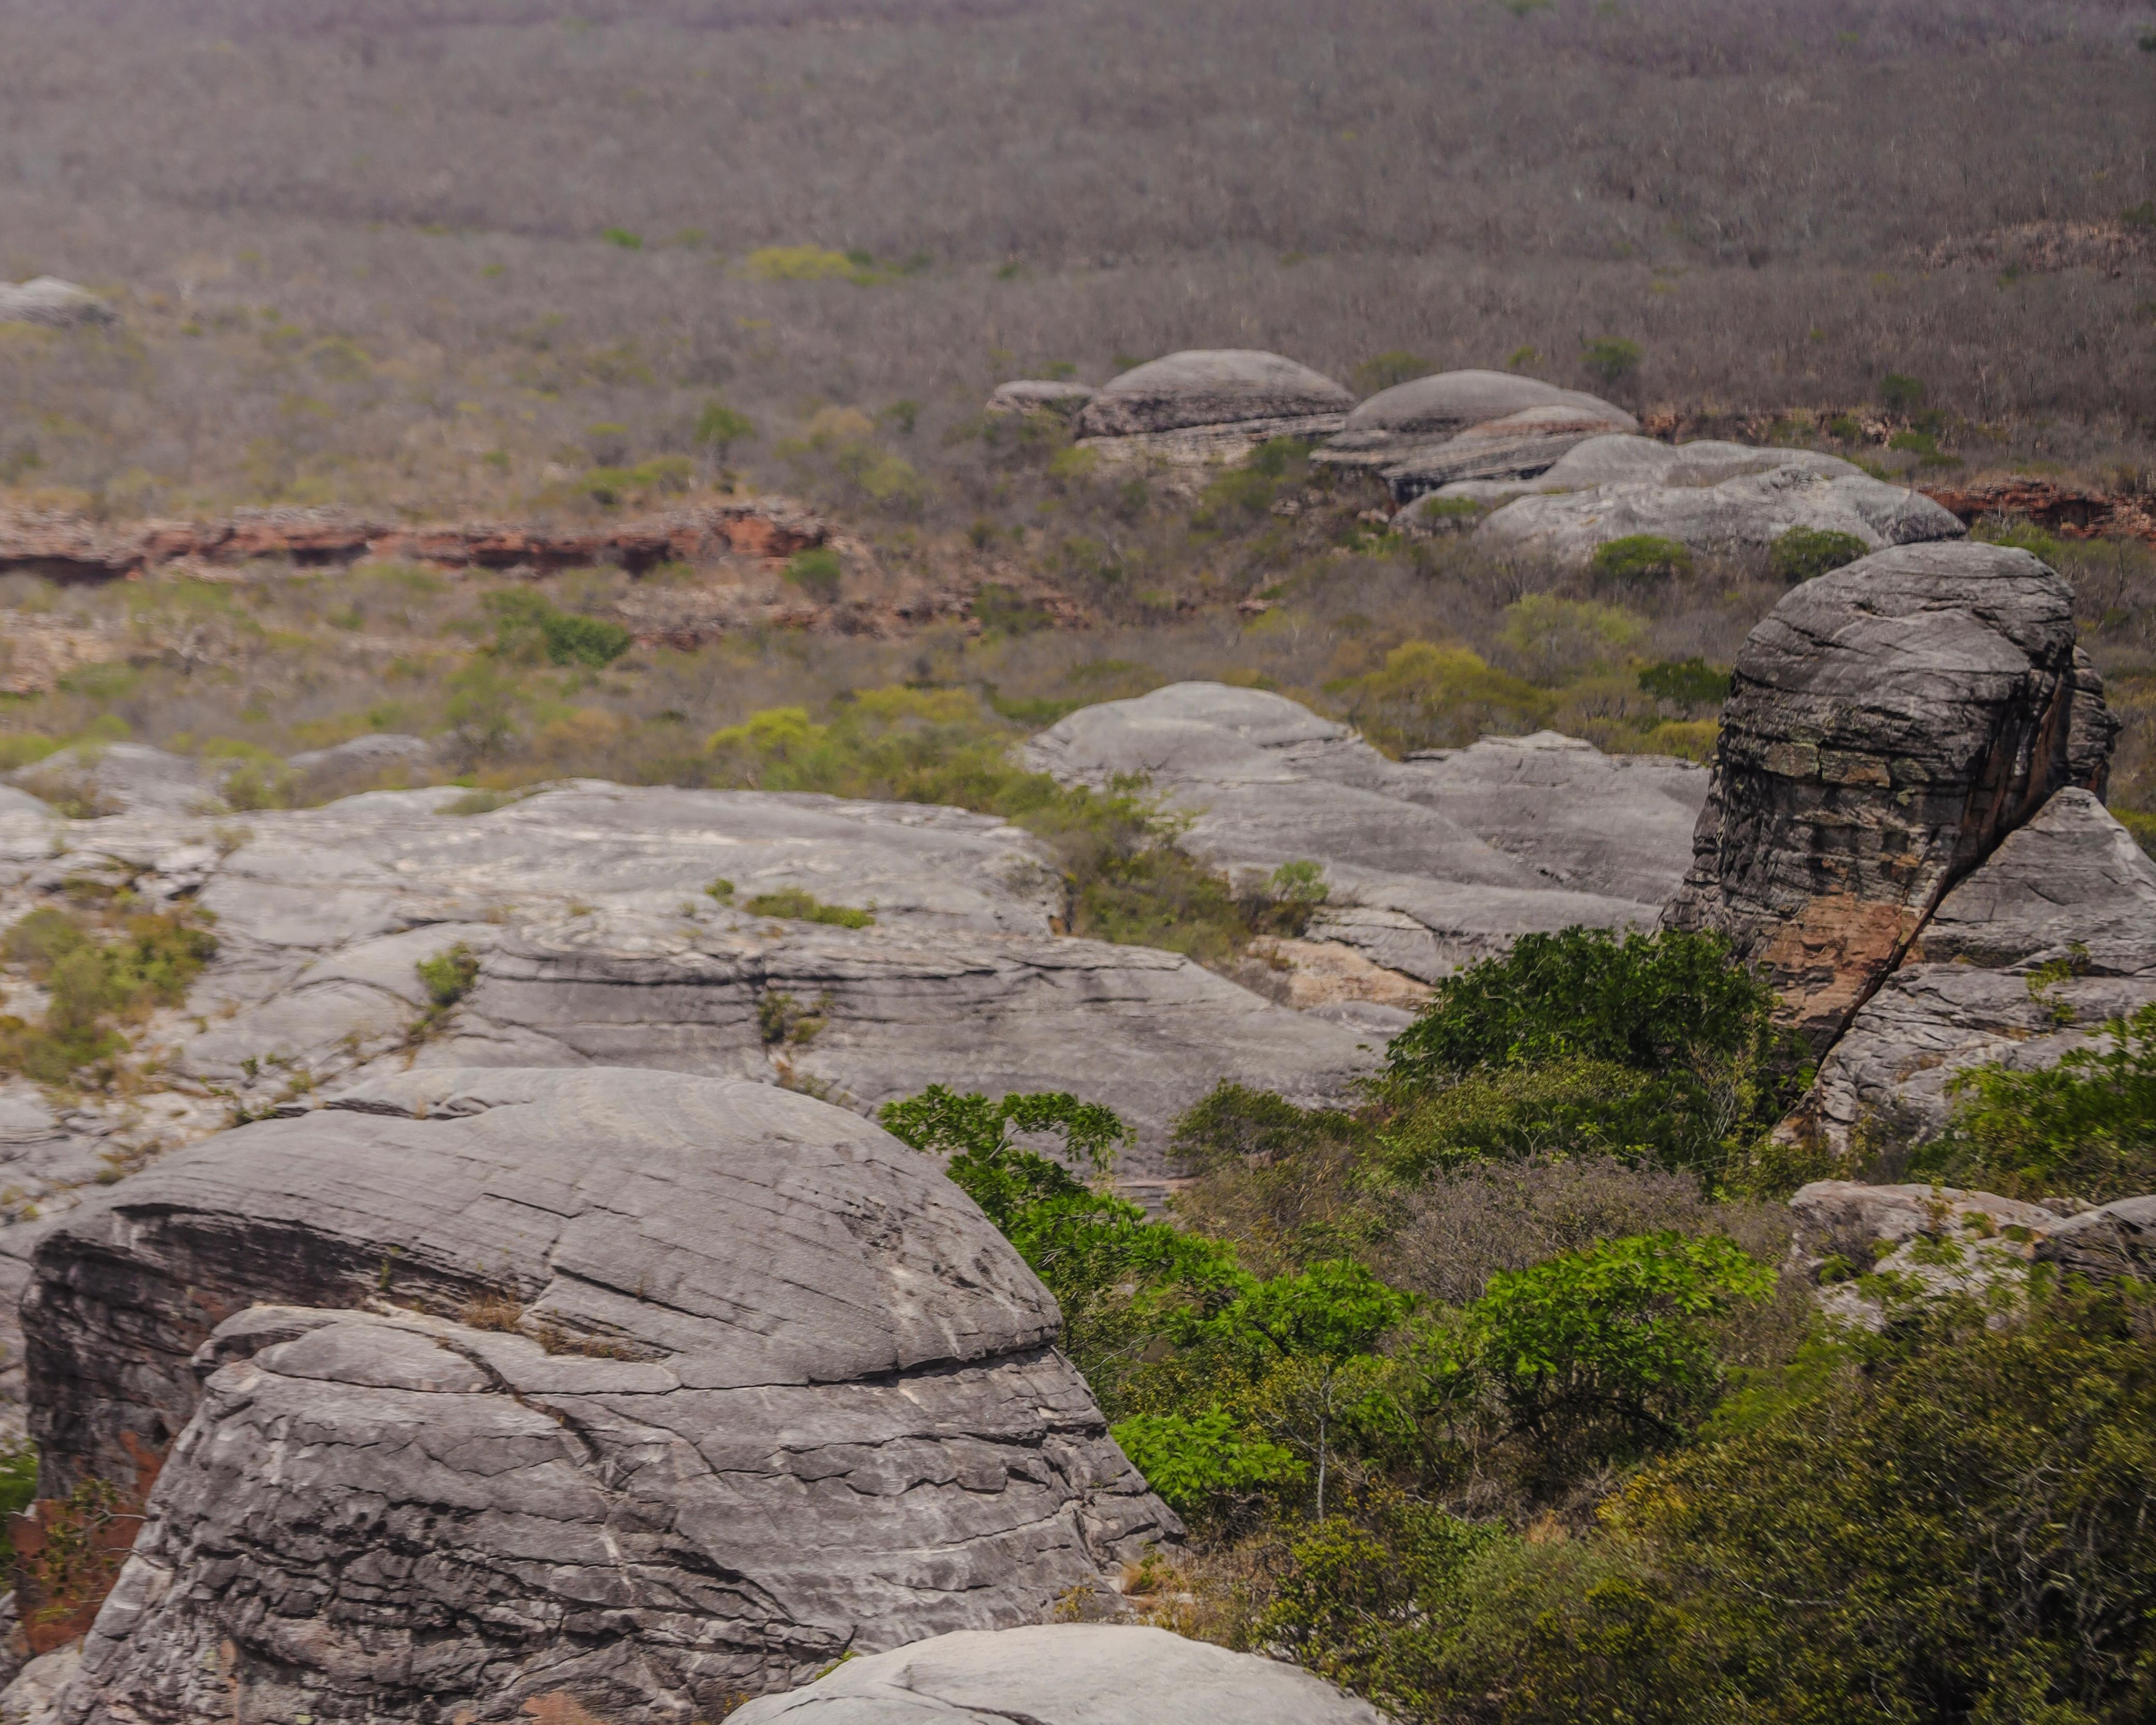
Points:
(1214, 402)
(1426, 412)
(1064, 1674)
(1888, 724)
(648, 1390)
(1710, 497)
(2023, 962)
(1429, 863)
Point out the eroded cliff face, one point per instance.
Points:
(646, 1390)
(1888, 726)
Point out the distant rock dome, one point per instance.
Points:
(1216, 387)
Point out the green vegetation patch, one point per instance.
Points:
(1642, 556)
(797, 905)
(94, 983)
(1803, 552)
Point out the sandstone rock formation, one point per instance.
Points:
(1871, 1248)
(1064, 1674)
(57, 304)
(1502, 452)
(1713, 497)
(1428, 413)
(73, 547)
(635, 1389)
(93, 779)
(2109, 1242)
(1214, 402)
(1040, 395)
(2022, 961)
(1888, 724)
(594, 940)
(1429, 863)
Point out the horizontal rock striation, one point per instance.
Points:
(1889, 724)
(1425, 414)
(666, 1390)
(1214, 402)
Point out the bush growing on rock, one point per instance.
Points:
(1803, 552)
(1642, 556)
(93, 984)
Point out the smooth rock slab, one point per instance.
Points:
(1888, 724)
(2113, 1240)
(1426, 412)
(774, 1390)
(1064, 1674)
(1431, 863)
(57, 304)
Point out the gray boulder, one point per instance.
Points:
(1238, 391)
(1712, 497)
(1494, 457)
(2071, 891)
(92, 779)
(57, 304)
(2111, 1241)
(1040, 395)
(1888, 724)
(1873, 1248)
(641, 1390)
(1426, 412)
(1064, 1674)
(1429, 863)
(371, 753)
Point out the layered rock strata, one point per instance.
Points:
(1426, 414)
(641, 1390)
(1064, 1674)
(1889, 724)
(1212, 403)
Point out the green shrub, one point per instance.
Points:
(91, 983)
(449, 976)
(527, 629)
(719, 428)
(1846, 428)
(1428, 696)
(816, 572)
(1609, 360)
(1554, 638)
(1803, 552)
(1900, 393)
(626, 239)
(1642, 556)
(1194, 1460)
(2085, 1128)
(1687, 682)
(796, 904)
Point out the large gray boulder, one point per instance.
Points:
(1429, 410)
(1429, 863)
(642, 1390)
(1888, 726)
(1712, 497)
(1501, 454)
(2113, 1240)
(1236, 393)
(1040, 395)
(92, 779)
(57, 304)
(2022, 963)
(1064, 1674)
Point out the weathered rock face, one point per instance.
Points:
(1713, 497)
(96, 779)
(1040, 395)
(668, 1389)
(1230, 397)
(1431, 862)
(2070, 890)
(1871, 1247)
(2110, 1241)
(1064, 1674)
(1889, 724)
(1427, 412)
(47, 300)
(1504, 451)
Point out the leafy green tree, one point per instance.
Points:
(1611, 360)
(1803, 552)
(1194, 1460)
(1642, 556)
(1607, 1353)
(719, 428)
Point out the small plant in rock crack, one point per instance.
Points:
(490, 1311)
(783, 1019)
(448, 977)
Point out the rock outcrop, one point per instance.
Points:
(73, 547)
(1889, 724)
(1064, 1674)
(1872, 1249)
(57, 304)
(2023, 962)
(1040, 395)
(1431, 862)
(641, 1391)
(2106, 1243)
(1426, 414)
(1712, 497)
(93, 779)
(1214, 403)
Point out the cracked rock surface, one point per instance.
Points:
(1064, 1674)
(1888, 724)
(647, 1390)
(1429, 863)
